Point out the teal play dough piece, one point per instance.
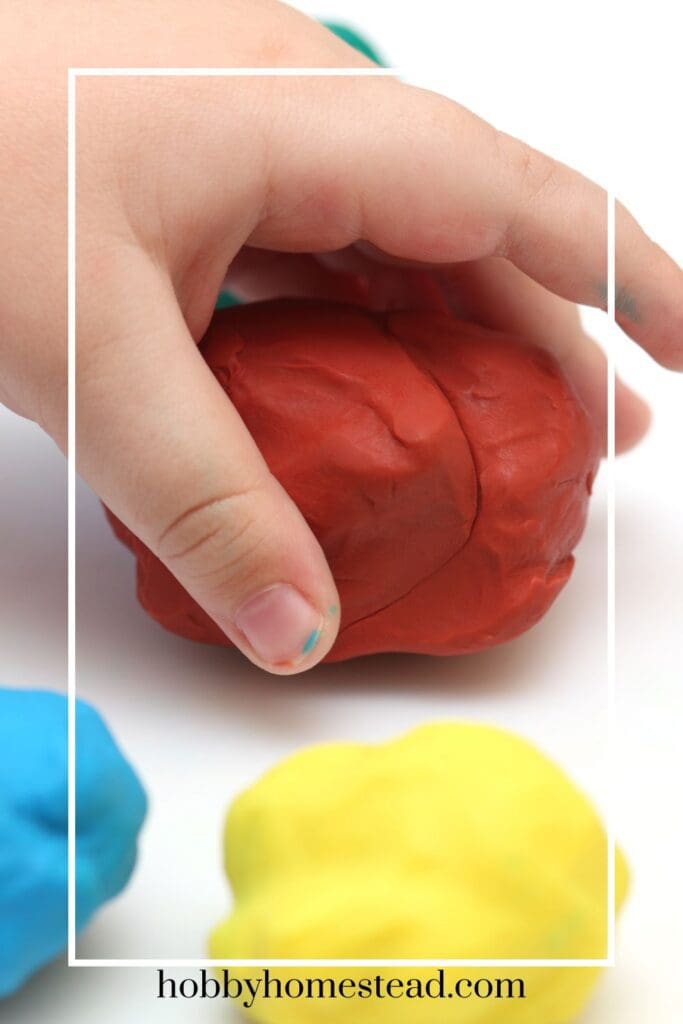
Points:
(110, 809)
(227, 299)
(353, 38)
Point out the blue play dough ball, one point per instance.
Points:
(110, 809)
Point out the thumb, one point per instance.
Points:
(162, 446)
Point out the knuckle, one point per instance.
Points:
(533, 173)
(240, 563)
(216, 540)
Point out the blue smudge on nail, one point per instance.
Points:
(311, 641)
(332, 610)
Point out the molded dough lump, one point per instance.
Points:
(455, 841)
(444, 468)
(110, 809)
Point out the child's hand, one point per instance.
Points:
(176, 178)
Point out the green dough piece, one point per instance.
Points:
(226, 299)
(353, 38)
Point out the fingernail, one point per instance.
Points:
(281, 626)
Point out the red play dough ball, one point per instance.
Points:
(444, 468)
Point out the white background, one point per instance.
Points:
(200, 723)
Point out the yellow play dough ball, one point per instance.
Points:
(456, 841)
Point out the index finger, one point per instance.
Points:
(422, 178)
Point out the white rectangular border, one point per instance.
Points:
(72, 959)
